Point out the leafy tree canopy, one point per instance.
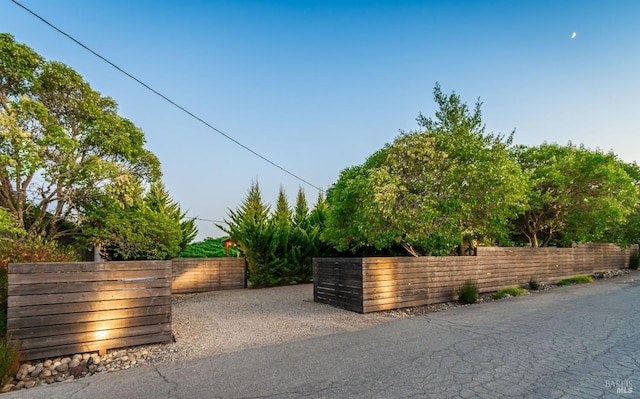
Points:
(9, 224)
(130, 232)
(429, 190)
(62, 145)
(577, 195)
(629, 233)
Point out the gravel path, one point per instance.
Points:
(226, 321)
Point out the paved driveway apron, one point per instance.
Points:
(578, 341)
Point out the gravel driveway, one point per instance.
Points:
(226, 321)
(210, 323)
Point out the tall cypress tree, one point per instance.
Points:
(302, 248)
(280, 224)
(159, 200)
(248, 227)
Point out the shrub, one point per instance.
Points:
(534, 285)
(9, 359)
(279, 245)
(512, 291)
(34, 250)
(468, 293)
(24, 251)
(581, 279)
(634, 261)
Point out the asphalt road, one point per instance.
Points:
(571, 342)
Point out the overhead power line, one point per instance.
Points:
(183, 109)
(207, 220)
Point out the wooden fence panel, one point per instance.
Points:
(338, 282)
(57, 309)
(207, 274)
(381, 283)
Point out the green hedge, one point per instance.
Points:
(208, 248)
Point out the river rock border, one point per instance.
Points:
(60, 369)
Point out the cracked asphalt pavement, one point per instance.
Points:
(579, 341)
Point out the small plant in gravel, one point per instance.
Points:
(9, 359)
(534, 285)
(511, 291)
(468, 293)
(580, 279)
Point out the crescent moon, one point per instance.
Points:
(573, 35)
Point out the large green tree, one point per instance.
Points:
(577, 195)
(61, 144)
(430, 190)
(137, 231)
(629, 233)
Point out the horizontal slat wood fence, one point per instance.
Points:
(207, 274)
(57, 309)
(381, 283)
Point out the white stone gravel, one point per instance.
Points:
(225, 321)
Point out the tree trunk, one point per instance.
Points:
(534, 241)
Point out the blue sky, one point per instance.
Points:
(317, 86)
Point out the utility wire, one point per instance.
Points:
(166, 98)
(207, 220)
